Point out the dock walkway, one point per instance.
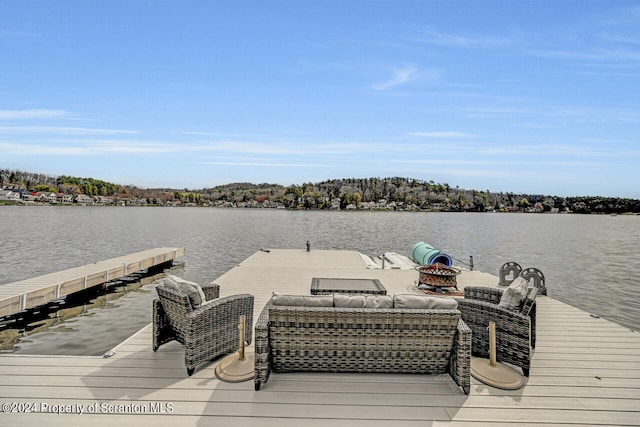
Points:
(29, 293)
(585, 372)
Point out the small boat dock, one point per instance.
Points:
(25, 294)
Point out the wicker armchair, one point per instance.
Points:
(206, 332)
(515, 328)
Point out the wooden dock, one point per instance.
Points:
(585, 372)
(29, 293)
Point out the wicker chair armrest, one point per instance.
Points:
(483, 293)
(162, 332)
(262, 348)
(460, 367)
(223, 313)
(211, 291)
(491, 311)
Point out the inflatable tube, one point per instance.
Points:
(425, 254)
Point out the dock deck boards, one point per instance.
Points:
(29, 293)
(585, 371)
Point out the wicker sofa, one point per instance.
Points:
(316, 335)
(515, 327)
(208, 330)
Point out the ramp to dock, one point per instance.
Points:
(29, 293)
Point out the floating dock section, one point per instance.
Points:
(18, 296)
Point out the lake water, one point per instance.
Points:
(589, 261)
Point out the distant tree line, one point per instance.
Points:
(350, 193)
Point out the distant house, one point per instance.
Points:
(41, 197)
(64, 199)
(9, 195)
(103, 200)
(52, 197)
(83, 199)
(28, 197)
(23, 193)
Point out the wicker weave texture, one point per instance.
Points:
(206, 332)
(328, 339)
(515, 330)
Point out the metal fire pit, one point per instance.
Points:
(438, 275)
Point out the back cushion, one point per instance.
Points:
(190, 289)
(513, 296)
(303, 300)
(362, 301)
(419, 301)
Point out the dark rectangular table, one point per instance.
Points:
(323, 286)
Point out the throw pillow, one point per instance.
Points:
(513, 296)
(190, 289)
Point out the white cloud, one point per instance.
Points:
(400, 77)
(432, 36)
(267, 164)
(283, 148)
(86, 149)
(33, 114)
(57, 130)
(443, 134)
(17, 34)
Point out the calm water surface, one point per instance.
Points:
(589, 261)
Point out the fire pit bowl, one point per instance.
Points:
(438, 275)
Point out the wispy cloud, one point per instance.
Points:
(564, 151)
(443, 134)
(9, 34)
(621, 38)
(33, 114)
(599, 54)
(284, 148)
(267, 164)
(480, 112)
(94, 148)
(432, 36)
(89, 147)
(400, 76)
(57, 130)
(493, 163)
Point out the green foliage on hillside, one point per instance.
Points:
(89, 186)
(396, 193)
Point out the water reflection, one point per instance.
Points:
(70, 326)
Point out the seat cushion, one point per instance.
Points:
(190, 289)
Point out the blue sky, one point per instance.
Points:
(538, 97)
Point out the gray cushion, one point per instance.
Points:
(303, 300)
(419, 301)
(190, 289)
(362, 301)
(513, 296)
